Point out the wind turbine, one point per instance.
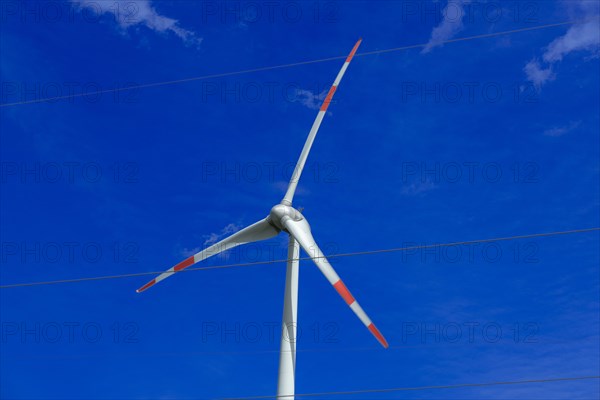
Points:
(283, 217)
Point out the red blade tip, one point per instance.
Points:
(146, 286)
(378, 335)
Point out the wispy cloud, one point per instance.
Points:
(212, 239)
(216, 236)
(450, 25)
(538, 75)
(583, 37)
(190, 252)
(309, 99)
(140, 13)
(562, 130)
(418, 188)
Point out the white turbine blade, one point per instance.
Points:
(300, 230)
(261, 230)
(289, 195)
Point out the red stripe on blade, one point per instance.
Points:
(184, 264)
(146, 286)
(378, 335)
(328, 98)
(353, 50)
(344, 292)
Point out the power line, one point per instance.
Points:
(379, 251)
(417, 388)
(280, 66)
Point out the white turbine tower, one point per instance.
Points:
(283, 217)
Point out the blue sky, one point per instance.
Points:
(469, 140)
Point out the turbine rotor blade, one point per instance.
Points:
(289, 195)
(300, 230)
(258, 231)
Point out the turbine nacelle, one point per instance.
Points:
(281, 213)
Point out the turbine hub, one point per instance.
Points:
(281, 212)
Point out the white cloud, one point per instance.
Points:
(310, 99)
(226, 231)
(562, 130)
(581, 37)
(451, 24)
(212, 239)
(139, 12)
(538, 75)
(190, 252)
